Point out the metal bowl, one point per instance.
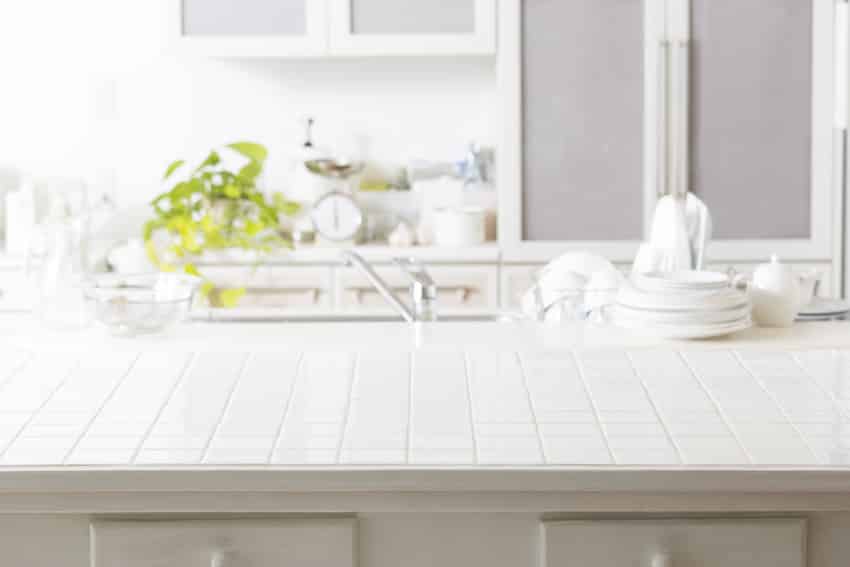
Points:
(140, 303)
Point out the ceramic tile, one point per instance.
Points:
(304, 457)
(373, 457)
(168, 456)
(506, 429)
(631, 456)
(723, 450)
(236, 456)
(510, 456)
(100, 457)
(719, 408)
(441, 457)
(26, 457)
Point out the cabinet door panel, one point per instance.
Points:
(683, 543)
(244, 17)
(583, 100)
(412, 17)
(751, 118)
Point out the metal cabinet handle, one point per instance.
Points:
(683, 104)
(662, 559)
(219, 558)
(663, 133)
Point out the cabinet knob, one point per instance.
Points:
(662, 559)
(220, 559)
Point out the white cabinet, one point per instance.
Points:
(319, 28)
(605, 99)
(274, 290)
(224, 543)
(674, 543)
(252, 28)
(412, 27)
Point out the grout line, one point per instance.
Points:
(583, 380)
(41, 406)
(408, 449)
(100, 408)
(531, 406)
(658, 416)
(845, 411)
(293, 391)
(776, 401)
(228, 402)
(182, 376)
(7, 379)
(470, 406)
(354, 378)
(717, 406)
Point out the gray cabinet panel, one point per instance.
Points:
(583, 119)
(751, 119)
(412, 17)
(244, 17)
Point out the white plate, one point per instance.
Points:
(727, 298)
(650, 317)
(820, 307)
(681, 281)
(687, 331)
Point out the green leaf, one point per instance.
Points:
(232, 191)
(285, 206)
(192, 270)
(212, 160)
(252, 151)
(173, 167)
(229, 298)
(250, 172)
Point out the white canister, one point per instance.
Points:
(459, 226)
(775, 292)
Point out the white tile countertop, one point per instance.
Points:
(221, 395)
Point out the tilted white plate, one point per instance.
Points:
(820, 307)
(681, 281)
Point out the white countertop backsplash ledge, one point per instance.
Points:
(681, 408)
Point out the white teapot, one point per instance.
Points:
(776, 294)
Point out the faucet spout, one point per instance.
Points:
(352, 258)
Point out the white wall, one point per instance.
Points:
(91, 85)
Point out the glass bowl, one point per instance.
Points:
(140, 303)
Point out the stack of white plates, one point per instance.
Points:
(682, 305)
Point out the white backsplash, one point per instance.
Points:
(98, 91)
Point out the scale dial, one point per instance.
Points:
(337, 217)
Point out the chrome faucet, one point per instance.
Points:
(423, 290)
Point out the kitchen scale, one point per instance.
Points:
(337, 217)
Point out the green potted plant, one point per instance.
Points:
(213, 208)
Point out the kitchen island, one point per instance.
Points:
(447, 443)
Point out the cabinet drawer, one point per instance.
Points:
(515, 282)
(293, 288)
(224, 543)
(674, 543)
(459, 289)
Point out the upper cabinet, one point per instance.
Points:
(610, 103)
(413, 27)
(305, 28)
(253, 28)
(761, 118)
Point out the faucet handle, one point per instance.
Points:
(423, 285)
